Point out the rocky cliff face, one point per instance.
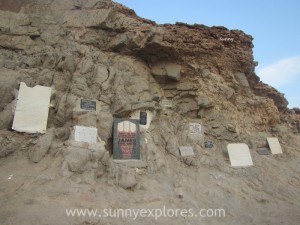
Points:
(92, 48)
(97, 49)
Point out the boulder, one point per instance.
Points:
(6, 116)
(204, 102)
(127, 179)
(166, 70)
(42, 146)
(77, 158)
(241, 79)
(16, 42)
(172, 146)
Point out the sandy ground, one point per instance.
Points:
(267, 193)
(114, 61)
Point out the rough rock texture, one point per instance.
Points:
(97, 49)
(42, 146)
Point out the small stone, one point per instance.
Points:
(241, 79)
(231, 128)
(42, 147)
(205, 72)
(204, 102)
(127, 179)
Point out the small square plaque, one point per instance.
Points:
(195, 129)
(85, 134)
(88, 104)
(167, 103)
(186, 151)
(208, 144)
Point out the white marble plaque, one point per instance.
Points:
(186, 151)
(239, 155)
(85, 134)
(274, 145)
(31, 113)
(195, 129)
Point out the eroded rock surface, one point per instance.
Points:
(182, 74)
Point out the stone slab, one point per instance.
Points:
(186, 151)
(31, 113)
(239, 155)
(85, 134)
(274, 145)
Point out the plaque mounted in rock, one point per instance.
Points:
(263, 151)
(143, 118)
(166, 103)
(195, 129)
(88, 104)
(126, 144)
(31, 113)
(186, 151)
(274, 145)
(85, 134)
(239, 155)
(208, 144)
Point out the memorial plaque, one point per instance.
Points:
(31, 114)
(126, 144)
(88, 104)
(239, 155)
(263, 151)
(195, 129)
(208, 144)
(274, 145)
(166, 103)
(143, 118)
(186, 151)
(85, 134)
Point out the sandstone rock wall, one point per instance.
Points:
(183, 74)
(101, 50)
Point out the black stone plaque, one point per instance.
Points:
(143, 118)
(208, 144)
(126, 144)
(88, 104)
(263, 151)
